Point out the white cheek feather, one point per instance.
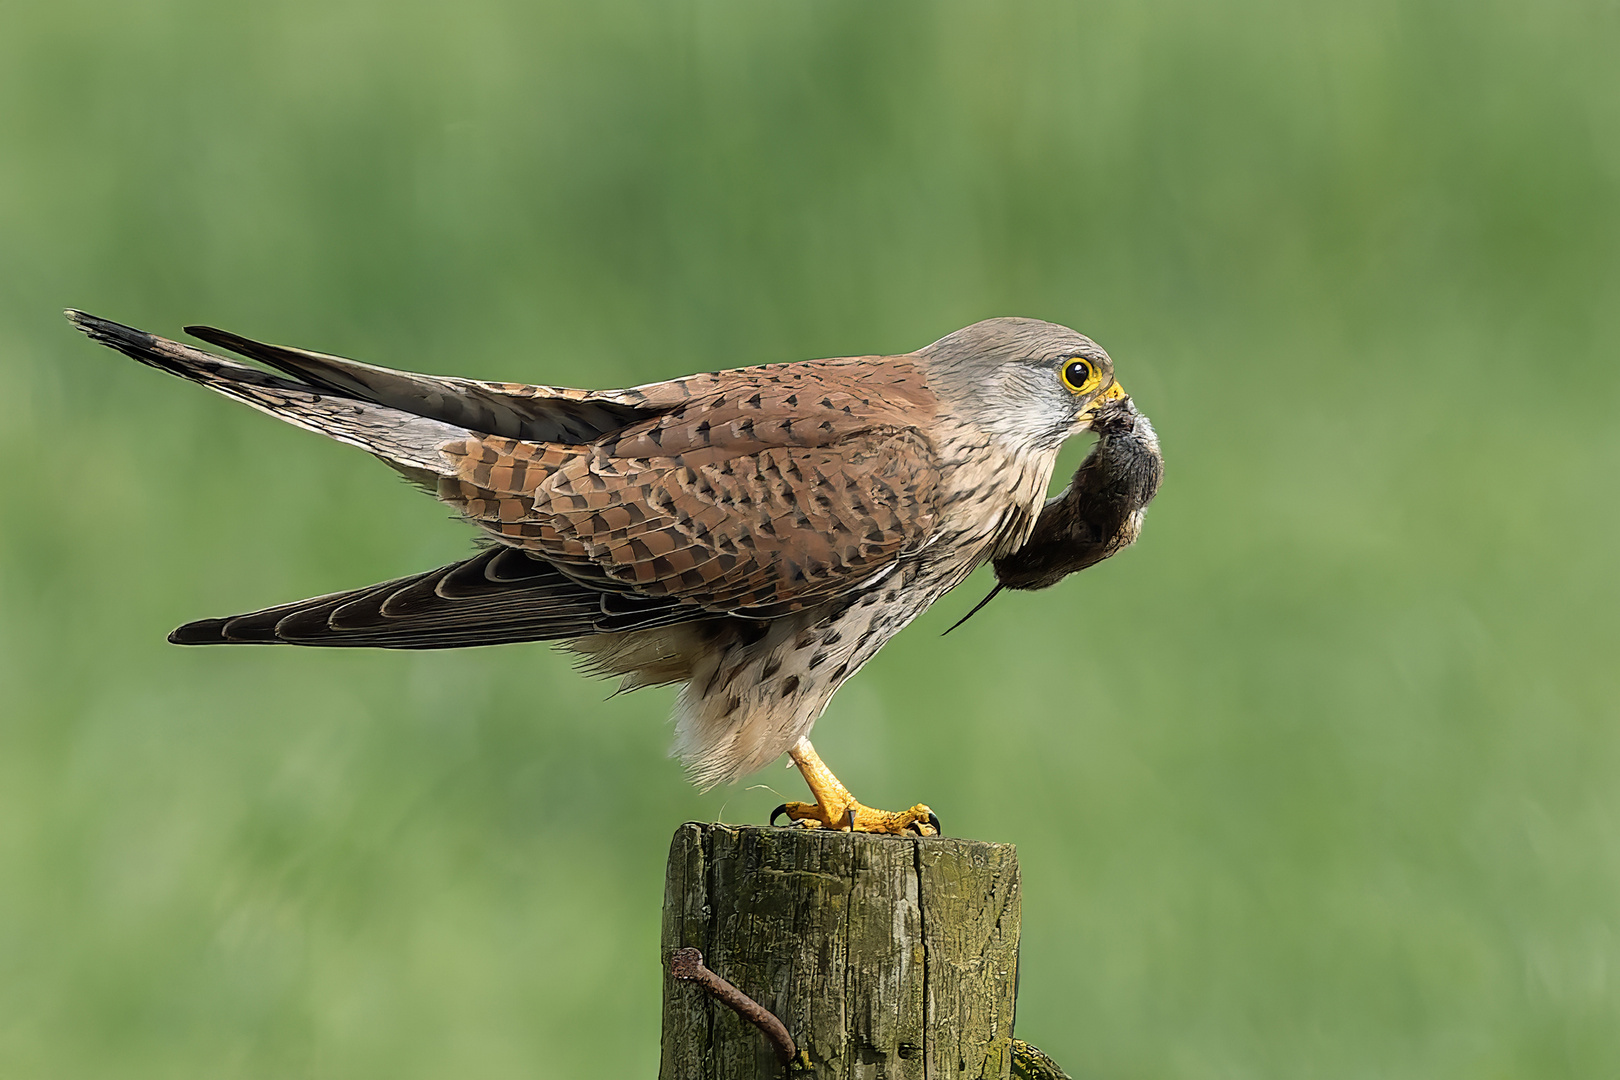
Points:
(1027, 408)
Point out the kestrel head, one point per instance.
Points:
(1033, 382)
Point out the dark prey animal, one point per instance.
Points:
(1099, 514)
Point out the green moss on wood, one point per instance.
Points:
(884, 956)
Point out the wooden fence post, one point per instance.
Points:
(883, 956)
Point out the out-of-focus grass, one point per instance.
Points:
(1321, 780)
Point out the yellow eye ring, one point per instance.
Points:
(1079, 376)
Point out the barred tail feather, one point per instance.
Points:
(405, 440)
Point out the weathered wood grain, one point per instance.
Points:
(885, 957)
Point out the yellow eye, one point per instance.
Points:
(1079, 376)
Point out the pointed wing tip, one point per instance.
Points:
(201, 632)
(215, 336)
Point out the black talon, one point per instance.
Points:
(778, 812)
(933, 820)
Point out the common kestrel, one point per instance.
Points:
(754, 534)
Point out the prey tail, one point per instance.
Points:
(976, 609)
(403, 439)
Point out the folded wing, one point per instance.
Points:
(752, 492)
(771, 496)
(498, 596)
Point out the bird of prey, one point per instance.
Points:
(755, 534)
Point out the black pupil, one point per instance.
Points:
(1078, 372)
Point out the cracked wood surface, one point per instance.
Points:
(885, 957)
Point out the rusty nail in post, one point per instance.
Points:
(687, 966)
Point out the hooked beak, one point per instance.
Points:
(1115, 392)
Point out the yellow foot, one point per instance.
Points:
(853, 817)
(836, 808)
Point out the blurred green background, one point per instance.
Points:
(1320, 780)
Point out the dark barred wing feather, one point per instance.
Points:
(498, 596)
